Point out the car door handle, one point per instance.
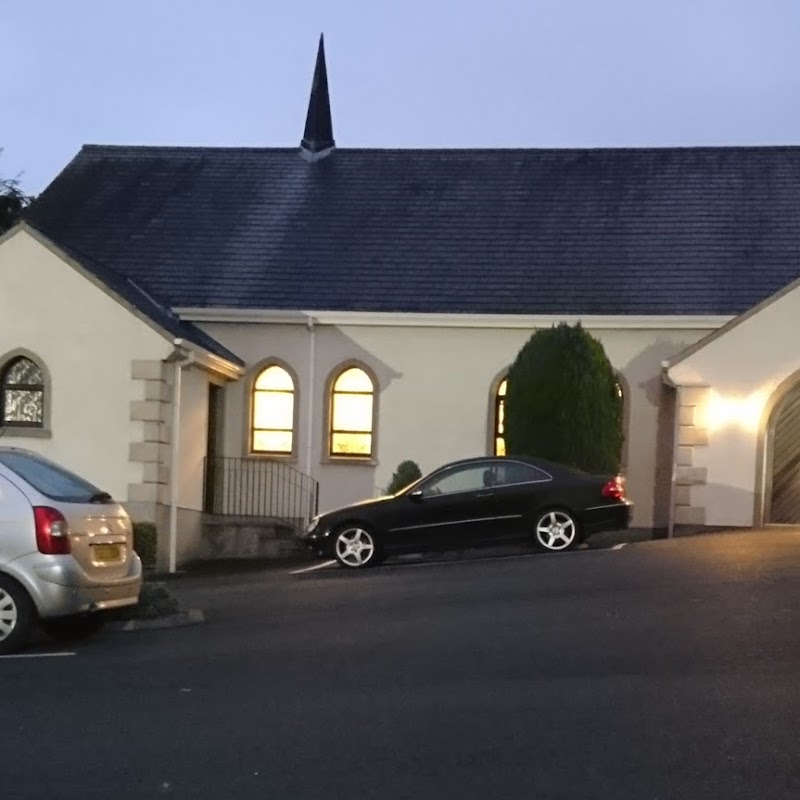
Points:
(485, 494)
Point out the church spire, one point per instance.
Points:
(318, 135)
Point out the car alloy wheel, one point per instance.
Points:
(355, 547)
(15, 616)
(556, 530)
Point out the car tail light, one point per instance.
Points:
(615, 488)
(52, 531)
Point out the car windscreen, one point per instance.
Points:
(51, 480)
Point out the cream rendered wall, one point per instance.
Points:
(746, 363)
(255, 343)
(87, 341)
(434, 401)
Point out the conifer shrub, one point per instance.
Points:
(563, 401)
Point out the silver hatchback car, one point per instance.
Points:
(66, 551)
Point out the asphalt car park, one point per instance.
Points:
(661, 669)
(250, 574)
(208, 589)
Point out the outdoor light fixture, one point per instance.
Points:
(735, 411)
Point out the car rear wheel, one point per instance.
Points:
(72, 628)
(356, 547)
(16, 616)
(556, 529)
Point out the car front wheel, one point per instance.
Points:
(355, 547)
(16, 615)
(556, 530)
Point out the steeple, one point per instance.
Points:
(318, 136)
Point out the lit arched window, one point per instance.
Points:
(499, 431)
(273, 412)
(352, 406)
(22, 394)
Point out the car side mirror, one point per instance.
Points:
(416, 495)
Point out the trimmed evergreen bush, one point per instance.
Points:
(407, 472)
(145, 540)
(563, 401)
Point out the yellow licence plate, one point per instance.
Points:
(106, 552)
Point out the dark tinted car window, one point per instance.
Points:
(51, 480)
(516, 472)
(461, 479)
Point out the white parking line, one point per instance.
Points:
(37, 655)
(312, 567)
(619, 546)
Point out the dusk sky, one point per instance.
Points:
(402, 73)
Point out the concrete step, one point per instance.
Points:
(249, 537)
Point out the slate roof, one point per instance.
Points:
(708, 230)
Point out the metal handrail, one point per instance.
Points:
(259, 487)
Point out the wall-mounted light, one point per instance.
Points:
(726, 411)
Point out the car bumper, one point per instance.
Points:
(319, 542)
(59, 587)
(610, 517)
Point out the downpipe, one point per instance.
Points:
(179, 358)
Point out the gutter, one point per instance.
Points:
(211, 362)
(665, 376)
(452, 320)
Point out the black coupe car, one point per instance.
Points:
(472, 503)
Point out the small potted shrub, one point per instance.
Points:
(407, 472)
(145, 540)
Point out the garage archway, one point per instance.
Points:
(783, 460)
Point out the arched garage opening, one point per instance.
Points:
(782, 467)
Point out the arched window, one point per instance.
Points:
(273, 412)
(22, 394)
(499, 429)
(352, 414)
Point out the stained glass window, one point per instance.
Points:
(22, 394)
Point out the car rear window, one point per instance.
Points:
(511, 472)
(51, 480)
